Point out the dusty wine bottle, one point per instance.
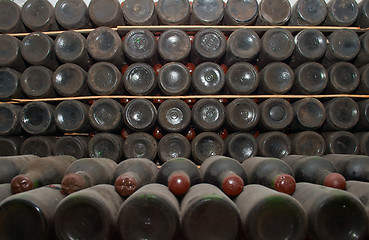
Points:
(275, 114)
(72, 116)
(174, 79)
(363, 56)
(208, 45)
(106, 145)
(363, 16)
(140, 114)
(9, 119)
(352, 167)
(308, 13)
(105, 13)
(140, 45)
(241, 146)
(10, 82)
(174, 115)
(71, 47)
(173, 145)
(105, 115)
(259, 206)
(310, 78)
(342, 13)
(140, 145)
(87, 172)
(208, 114)
(276, 78)
(207, 12)
(69, 80)
(341, 114)
(156, 210)
(240, 12)
(242, 114)
(96, 207)
(105, 79)
(37, 118)
(12, 165)
(363, 123)
(10, 18)
(104, 44)
(75, 146)
(363, 87)
(179, 174)
(363, 139)
(340, 142)
(274, 144)
(37, 82)
(309, 114)
(270, 172)
(209, 202)
(139, 12)
(322, 203)
(140, 79)
(307, 143)
(174, 45)
(5, 191)
(41, 172)
(38, 15)
(274, 13)
(41, 146)
(225, 173)
(173, 12)
(133, 173)
(205, 145)
(72, 14)
(241, 78)
(208, 78)
(10, 145)
(344, 77)
(10, 53)
(30, 215)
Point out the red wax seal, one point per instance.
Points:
(232, 185)
(335, 180)
(124, 68)
(191, 67)
(191, 134)
(21, 183)
(179, 183)
(72, 183)
(157, 68)
(285, 183)
(157, 133)
(125, 185)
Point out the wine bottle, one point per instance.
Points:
(206, 12)
(133, 173)
(363, 87)
(344, 77)
(341, 114)
(175, 12)
(259, 206)
(350, 166)
(41, 146)
(274, 144)
(41, 172)
(10, 145)
(140, 45)
(241, 146)
(72, 14)
(363, 17)
(174, 79)
(105, 13)
(140, 145)
(38, 15)
(139, 12)
(274, 13)
(205, 145)
(270, 172)
(276, 78)
(200, 211)
(156, 213)
(242, 114)
(240, 12)
(225, 173)
(37, 118)
(105, 79)
(87, 172)
(208, 78)
(10, 53)
(96, 207)
(363, 57)
(140, 114)
(342, 13)
(323, 203)
(307, 143)
(363, 139)
(72, 116)
(208, 114)
(106, 145)
(69, 80)
(174, 115)
(29, 215)
(314, 169)
(310, 78)
(174, 45)
(173, 145)
(11, 166)
(309, 114)
(9, 124)
(10, 18)
(340, 142)
(242, 78)
(308, 13)
(363, 123)
(275, 114)
(5, 191)
(37, 82)
(140, 79)
(179, 174)
(10, 80)
(76, 146)
(106, 115)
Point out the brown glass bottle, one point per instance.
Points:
(259, 206)
(344, 77)
(40, 172)
(10, 53)
(315, 170)
(140, 45)
(208, 201)
(274, 13)
(174, 45)
(241, 146)
(307, 143)
(152, 205)
(179, 174)
(105, 13)
(37, 118)
(132, 174)
(342, 13)
(140, 114)
(76, 146)
(41, 146)
(274, 144)
(12, 165)
(241, 78)
(72, 116)
(309, 114)
(139, 12)
(140, 79)
(29, 215)
(173, 12)
(206, 12)
(10, 145)
(322, 203)
(106, 145)
(310, 78)
(174, 79)
(205, 145)
(208, 114)
(37, 82)
(10, 82)
(240, 12)
(174, 115)
(275, 114)
(9, 119)
(225, 173)
(173, 145)
(71, 47)
(96, 207)
(105, 115)
(340, 142)
(341, 114)
(87, 172)
(72, 14)
(38, 15)
(276, 78)
(105, 79)
(140, 145)
(10, 18)
(242, 114)
(208, 78)
(308, 13)
(69, 80)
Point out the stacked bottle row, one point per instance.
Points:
(183, 192)
(40, 15)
